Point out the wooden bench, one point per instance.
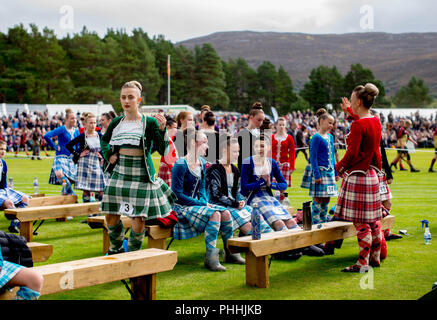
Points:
(40, 251)
(257, 251)
(29, 215)
(139, 266)
(156, 236)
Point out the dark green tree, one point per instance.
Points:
(414, 95)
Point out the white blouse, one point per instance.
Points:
(127, 132)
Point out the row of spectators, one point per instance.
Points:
(23, 131)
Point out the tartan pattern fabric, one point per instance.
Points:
(192, 220)
(270, 208)
(369, 243)
(306, 178)
(165, 173)
(212, 230)
(66, 164)
(359, 200)
(135, 240)
(8, 271)
(26, 293)
(243, 216)
(116, 236)
(286, 172)
(316, 209)
(226, 230)
(128, 184)
(90, 174)
(326, 189)
(383, 186)
(11, 194)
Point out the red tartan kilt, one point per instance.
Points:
(286, 172)
(383, 187)
(165, 173)
(359, 199)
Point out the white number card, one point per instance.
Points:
(126, 208)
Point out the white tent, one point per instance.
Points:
(171, 109)
(97, 109)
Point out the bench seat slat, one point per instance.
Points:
(93, 271)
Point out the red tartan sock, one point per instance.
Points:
(375, 249)
(387, 232)
(383, 248)
(364, 235)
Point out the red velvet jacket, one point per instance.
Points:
(362, 146)
(286, 153)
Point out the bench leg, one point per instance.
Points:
(26, 230)
(156, 243)
(144, 288)
(257, 271)
(105, 240)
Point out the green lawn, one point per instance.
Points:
(408, 272)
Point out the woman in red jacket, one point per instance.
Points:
(359, 200)
(283, 151)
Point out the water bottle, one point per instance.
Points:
(427, 234)
(286, 202)
(35, 186)
(306, 216)
(64, 187)
(256, 223)
(10, 184)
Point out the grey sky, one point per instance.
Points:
(179, 20)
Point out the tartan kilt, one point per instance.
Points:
(66, 164)
(306, 178)
(383, 186)
(270, 208)
(90, 175)
(11, 194)
(165, 173)
(8, 271)
(359, 200)
(286, 172)
(328, 187)
(129, 183)
(192, 220)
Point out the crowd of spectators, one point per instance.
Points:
(23, 131)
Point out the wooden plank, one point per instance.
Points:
(52, 200)
(26, 230)
(93, 271)
(157, 232)
(275, 242)
(40, 251)
(57, 211)
(101, 220)
(9, 295)
(37, 195)
(144, 288)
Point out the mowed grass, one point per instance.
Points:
(408, 272)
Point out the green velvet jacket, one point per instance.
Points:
(153, 140)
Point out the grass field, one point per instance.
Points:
(408, 272)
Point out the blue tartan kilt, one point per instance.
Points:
(328, 187)
(66, 164)
(90, 175)
(306, 179)
(11, 194)
(192, 220)
(8, 271)
(270, 208)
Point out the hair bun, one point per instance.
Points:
(371, 89)
(320, 111)
(138, 85)
(257, 105)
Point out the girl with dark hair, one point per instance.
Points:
(194, 212)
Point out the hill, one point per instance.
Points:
(393, 58)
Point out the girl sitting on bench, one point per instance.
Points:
(195, 214)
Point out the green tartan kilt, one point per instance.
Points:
(130, 184)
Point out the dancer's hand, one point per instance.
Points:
(345, 104)
(241, 205)
(318, 181)
(113, 159)
(84, 153)
(389, 181)
(161, 120)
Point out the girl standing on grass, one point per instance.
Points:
(63, 166)
(320, 175)
(247, 135)
(184, 120)
(359, 200)
(133, 190)
(283, 151)
(195, 214)
(89, 159)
